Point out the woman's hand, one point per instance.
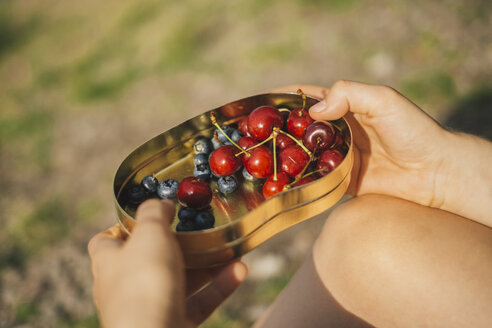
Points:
(402, 152)
(141, 281)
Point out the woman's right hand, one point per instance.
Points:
(400, 151)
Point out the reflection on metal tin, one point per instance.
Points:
(244, 219)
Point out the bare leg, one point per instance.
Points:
(392, 263)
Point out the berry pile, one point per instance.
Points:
(280, 149)
(286, 150)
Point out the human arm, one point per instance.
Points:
(141, 281)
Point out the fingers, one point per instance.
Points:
(197, 278)
(153, 219)
(360, 98)
(202, 304)
(105, 243)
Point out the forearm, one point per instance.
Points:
(466, 179)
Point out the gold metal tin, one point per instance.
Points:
(244, 219)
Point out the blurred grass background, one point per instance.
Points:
(82, 83)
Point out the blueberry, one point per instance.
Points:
(187, 214)
(150, 183)
(202, 171)
(136, 194)
(204, 220)
(203, 146)
(201, 158)
(185, 226)
(248, 176)
(168, 188)
(215, 143)
(227, 184)
(236, 135)
(228, 131)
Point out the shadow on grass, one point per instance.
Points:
(473, 114)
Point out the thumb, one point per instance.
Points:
(152, 231)
(359, 98)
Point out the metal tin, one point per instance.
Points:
(244, 219)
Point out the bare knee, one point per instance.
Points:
(358, 249)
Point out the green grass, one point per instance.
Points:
(28, 137)
(89, 209)
(91, 321)
(45, 225)
(429, 86)
(13, 33)
(186, 44)
(24, 312)
(221, 319)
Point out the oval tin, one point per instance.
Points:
(244, 219)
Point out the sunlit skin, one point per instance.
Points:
(409, 228)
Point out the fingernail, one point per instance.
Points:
(318, 107)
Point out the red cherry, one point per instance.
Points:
(283, 141)
(329, 160)
(292, 160)
(272, 187)
(245, 143)
(223, 161)
(298, 121)
(262, 120)
(319, 135)
(243, 126)
(260, 163)
(194, 192)
(306, 180)
(338, 141)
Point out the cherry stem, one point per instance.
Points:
(301, 174)
(314, 172)
(245, 151)
(303, 95)
(274, 135)
(297, 142)
(214, 122)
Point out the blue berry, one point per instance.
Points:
(187, 214)
(201, 158)
(168, 189)
(185, 226)
(204, 220)
(136, 194)
(227, 184)
(236, 135)
(248, 176)
(228, 131)
(202, 171)
(150, 183)
(215, 143)
(203, 146)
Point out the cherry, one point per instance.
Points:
(283, 141)
(338, 141)
(223, 161)
(245, 143)
(262, 120)
(329, 160)
(272, 186)
(194, 192)
(319, 135)
(292, 160)
(243, 126)
(298, 121)
(260, 163)
(305, 180)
